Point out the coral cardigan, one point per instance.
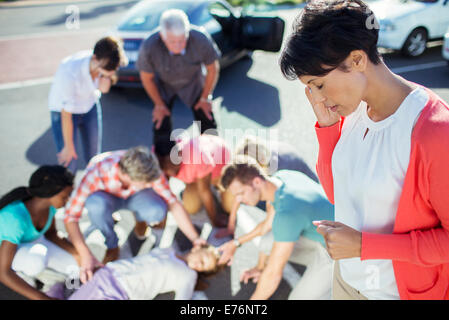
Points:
(419, 245)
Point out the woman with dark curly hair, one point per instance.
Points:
(28, 239)
(383, 155)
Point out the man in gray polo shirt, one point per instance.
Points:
(170, 64)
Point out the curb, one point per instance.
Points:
(33, 3)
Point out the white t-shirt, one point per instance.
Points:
(160, 271)
(368, 177)
(73, 88)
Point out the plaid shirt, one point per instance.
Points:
(102, 175)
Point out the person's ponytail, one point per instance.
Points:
(45, 182)
(20, 193)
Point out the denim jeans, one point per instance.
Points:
(146, 204)
(87, 125)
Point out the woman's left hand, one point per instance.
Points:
(199, 242)
(342, 242)
(104, 84)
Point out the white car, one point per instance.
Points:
(408, 25)
(446, 46)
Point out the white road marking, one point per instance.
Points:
(25, 83)
(418, 67)
(33, 82)
(65, 33)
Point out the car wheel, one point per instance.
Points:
(416, 43)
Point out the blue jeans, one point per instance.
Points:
(146, 204)
(87, 125)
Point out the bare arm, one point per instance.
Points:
(151, 88)
(67, 129)
(10, 279)
(160, 109)
(233, 215)
(88, 261)
(230, 229)
(262, 228)
(76, 237)
(272, 274)
(183, 220)
(68, 152)
(228, 249)
(213, 71)
(207, 198)
(209, 84)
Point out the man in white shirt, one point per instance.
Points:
(77, 86)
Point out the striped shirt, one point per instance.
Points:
(102, 175)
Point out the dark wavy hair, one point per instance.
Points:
(111, 50)
(45, 182)
(325, 33)
(243, 169)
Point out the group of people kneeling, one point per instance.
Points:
(375, 228)
(136, 179)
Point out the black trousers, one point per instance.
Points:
(161, 136)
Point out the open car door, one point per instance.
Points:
(261, 32)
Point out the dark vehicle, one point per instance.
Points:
(236, 34)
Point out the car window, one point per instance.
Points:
(222, 15)
(218, 10)
(203, 18)
(427, 1)
(146, 17)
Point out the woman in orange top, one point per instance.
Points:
(382, 159)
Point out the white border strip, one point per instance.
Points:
(29, 83)
(33, 3)
(418, 67)
(55, 34)
(25, 83)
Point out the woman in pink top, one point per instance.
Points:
(382, 159)
(198, 162)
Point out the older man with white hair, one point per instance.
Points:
(170, 64)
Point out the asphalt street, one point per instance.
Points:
(251, 95)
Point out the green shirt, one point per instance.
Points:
(298, 202)
(16, 225)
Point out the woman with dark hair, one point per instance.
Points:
(383, 154)
(75, 95)
(28, 239)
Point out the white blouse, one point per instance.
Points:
(159, 271)
(368, 174)
(73, 88)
